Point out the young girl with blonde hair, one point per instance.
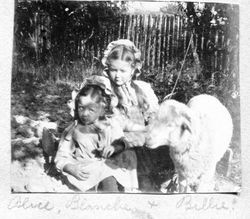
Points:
(137, 102)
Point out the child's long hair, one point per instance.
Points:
(98, 95)
(125, 53)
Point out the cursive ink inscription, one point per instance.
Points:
(26, 203)
(189, 203)
(78, 203)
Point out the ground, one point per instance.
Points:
(45, 105)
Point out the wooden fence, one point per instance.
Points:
(162, 40)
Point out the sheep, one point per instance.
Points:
(198, 134)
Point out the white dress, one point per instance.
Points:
(83, 147)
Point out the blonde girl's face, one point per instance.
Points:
(120, 72)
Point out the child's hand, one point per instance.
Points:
(108, 151)
(76, 170)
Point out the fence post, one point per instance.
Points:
(149, 41)
(162, 63)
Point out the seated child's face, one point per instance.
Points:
(88, 110)
(120, 71)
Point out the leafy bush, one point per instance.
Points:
(222, 84)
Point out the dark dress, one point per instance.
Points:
(154, 166)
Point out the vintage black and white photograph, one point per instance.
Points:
(125, 97)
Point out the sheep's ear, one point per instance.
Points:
(187, 121)
(185, 126)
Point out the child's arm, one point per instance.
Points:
(66, 148)
(116, 142)
(152, 100)
(64, 157)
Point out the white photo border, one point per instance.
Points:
(49, 205)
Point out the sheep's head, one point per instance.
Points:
(171, 126)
